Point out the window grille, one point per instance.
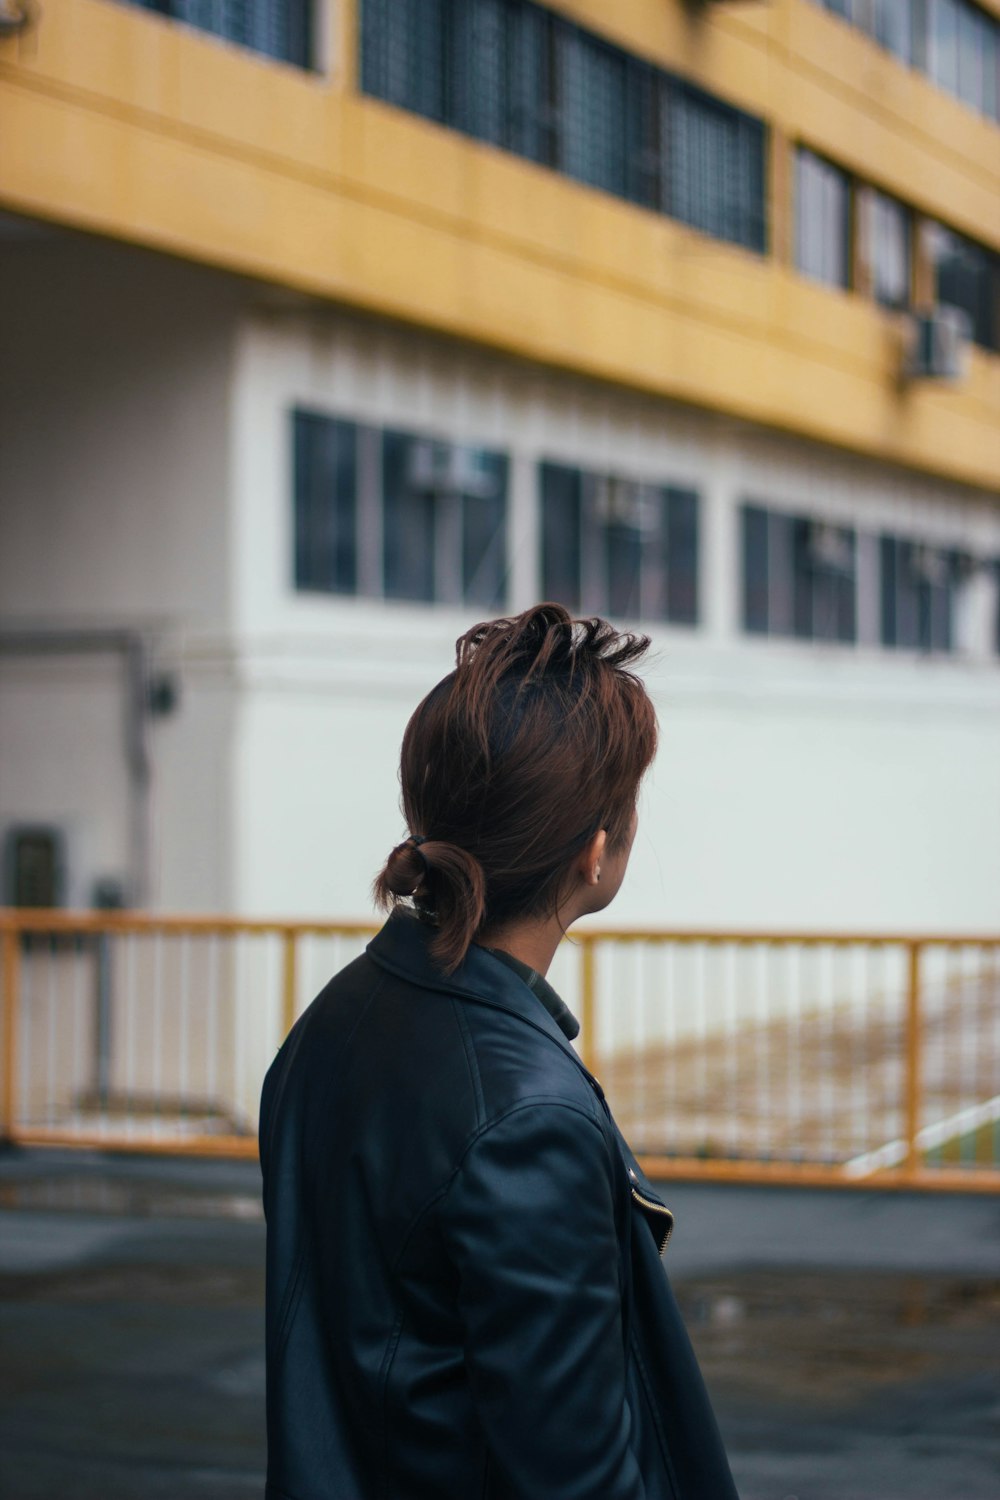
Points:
(511, 73)
(277, 28)
(619, 546)
(716, 168)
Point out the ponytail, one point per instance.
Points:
(446, 883)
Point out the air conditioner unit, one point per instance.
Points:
(448, 469)
(939, 343)
(930, 564)
(830, 548)
(624, 502)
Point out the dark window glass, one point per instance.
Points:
(479, 72)
(616, 546)
(968, 277)
(799, 577)
(825, 587)
(484, 533)
(402, 54)
(591, 94)
(716, 168)
(325, 460)
(682, 556)
(918, 595)
(615, 538)
(755, 570)
(646, 144)
(278, 28)
(531, 124)
(561, 490)
(409, 520)
(511, 73)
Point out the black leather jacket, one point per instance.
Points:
(465, 1298)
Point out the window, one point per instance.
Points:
(890, 22)
(919, 588)
(277, 28)
(511, 73)
(954, 41)
(890, 239)
(968, 277)
(822, 220)
(619, 546)
(716, 169)
(799, 576)
(326, 486)
(397, 515)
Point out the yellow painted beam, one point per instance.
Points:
(731, 332)
(128, 125)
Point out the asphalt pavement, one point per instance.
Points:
(851, 1340)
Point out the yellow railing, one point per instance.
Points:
(824, 1058)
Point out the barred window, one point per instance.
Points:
(618, 546)
(511, 73)
(397, 515)
(278, 28)
(799, 576)
(716, 168)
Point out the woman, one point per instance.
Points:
(465, 1297)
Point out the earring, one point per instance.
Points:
(597, 872)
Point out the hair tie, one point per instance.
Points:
(414, 841)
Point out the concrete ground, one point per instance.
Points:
(850, 1339)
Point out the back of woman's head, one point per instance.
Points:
(510, 766)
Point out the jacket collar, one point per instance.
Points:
(403, 948)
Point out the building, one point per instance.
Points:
(330, 326)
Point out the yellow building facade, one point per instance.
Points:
(322, 338)
(124, 123)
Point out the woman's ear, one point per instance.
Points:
(589, 862)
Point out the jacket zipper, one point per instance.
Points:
(655, 1208)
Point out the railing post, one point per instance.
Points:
(10, 962)
(913, 1058)
(289, 982)
(588, 1005)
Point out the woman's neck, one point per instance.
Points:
(533, 942)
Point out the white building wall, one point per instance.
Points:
(799, 785)
(115, 485)
(146, 482)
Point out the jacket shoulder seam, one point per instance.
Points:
(528, 1102)
(471, 1059)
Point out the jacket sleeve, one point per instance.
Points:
(530, 1227)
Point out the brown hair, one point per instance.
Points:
(510, 765)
